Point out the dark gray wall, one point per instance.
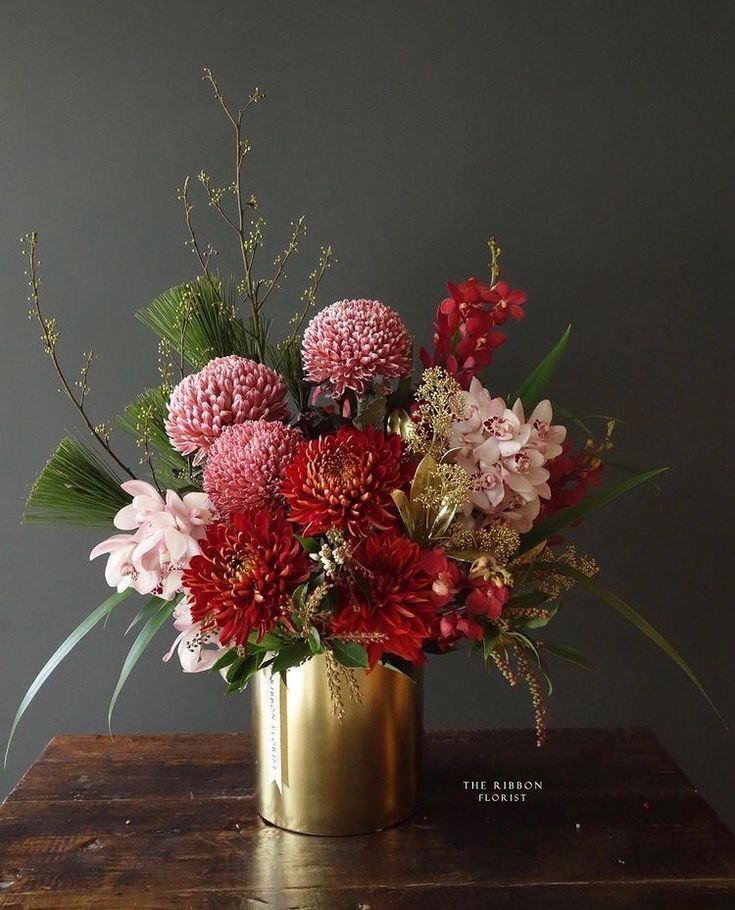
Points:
(595, 139)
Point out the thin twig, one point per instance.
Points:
(50, 336)
(84, 377)
(324, 264)
(293, 246)
(193, 241)
(248, 246)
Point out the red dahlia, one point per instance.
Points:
(400, 605)
(245, 574)
(344, 481)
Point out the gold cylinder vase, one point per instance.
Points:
(317, 774)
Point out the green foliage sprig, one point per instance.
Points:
(75, 488)
(144, 419)
(198, 322)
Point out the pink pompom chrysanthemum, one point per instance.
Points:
(353, 342)
(246, 464)
(229, 390)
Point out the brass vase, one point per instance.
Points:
(316, 774)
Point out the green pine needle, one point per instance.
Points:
(75, 488)
(200, 321)
(144, 419)
(285, 358)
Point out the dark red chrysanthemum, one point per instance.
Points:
(245, 574)
(401, 604)
(345, 481)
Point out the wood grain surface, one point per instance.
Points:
(154, 822)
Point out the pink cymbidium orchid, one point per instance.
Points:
(193, 641)
(166, 535)
(505, 455)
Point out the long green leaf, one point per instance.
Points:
(529, 599)
(554, 524)
(242, 670)
(225, 661)
(76, 636)
(571, 417)
(269, 642)
(75, 488)
(146, 611)
(635, 618)
(144, 638)
(531, 390)
(569, 653)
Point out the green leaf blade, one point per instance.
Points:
(242, 670)
(290, 655)
(554, 524)
(314, 640)
(145, 612)
(400, 665)
(531, 390)
(144, 638)
(61, 652)
(570, 654)
(640, 623)
(269, 642)
(229, 658)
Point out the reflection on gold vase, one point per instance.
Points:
(318, 775)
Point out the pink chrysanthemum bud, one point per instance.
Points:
(353, 342)
(246, 464)
(229, 390)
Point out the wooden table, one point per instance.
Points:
(155, 822)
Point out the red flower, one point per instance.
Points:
(345, 481)
(243, 579)
(507, 302)
(486, 598)
(455, 625)
(400, 604)
(464, 330)
(445, 575)
(570, 478)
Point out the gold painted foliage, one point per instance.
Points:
(429, 508)
(440, 404)
(498, 541)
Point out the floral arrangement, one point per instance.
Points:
(316, 496)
